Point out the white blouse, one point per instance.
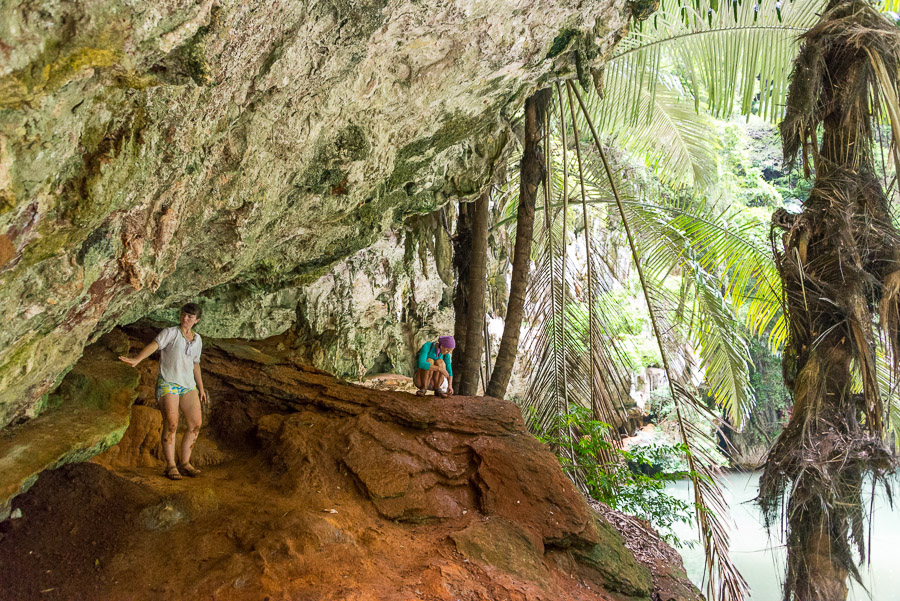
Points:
(178, 356)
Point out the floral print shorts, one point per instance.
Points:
(164, 388)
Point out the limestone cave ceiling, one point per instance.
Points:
(153, 152)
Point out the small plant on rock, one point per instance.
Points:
(632, 481)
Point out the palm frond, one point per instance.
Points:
(725, 582)
(889, 101)
(724, 352)
(671, 137)
(723, 246)
(730, 53)
(556, 342)
(574, 360)
(723, 267)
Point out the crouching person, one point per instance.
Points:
(434, 370)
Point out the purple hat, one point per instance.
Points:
(447, 342)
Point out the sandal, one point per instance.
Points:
(172, 473)
(189, 470)
(420, 393)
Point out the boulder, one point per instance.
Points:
(88, 413)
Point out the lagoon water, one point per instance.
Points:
(761, 559)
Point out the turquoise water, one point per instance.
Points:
(761, 559)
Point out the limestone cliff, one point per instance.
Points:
(153, 152)
(285, 163)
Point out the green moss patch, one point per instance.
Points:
(615, 563)
(54, 67)
(503, 545)
(400, 186)
(562, 41)
(86, 415)
(326, 172)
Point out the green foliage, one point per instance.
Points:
(721, 268)
(630, 330)
(672, 138)
(741, 179)
(772, 397)
(632, 481)
(760, 147)
(662, 411)
(642, 350)
(766, 377)
(729, 54)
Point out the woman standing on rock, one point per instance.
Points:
(179, 385)
(434, 369)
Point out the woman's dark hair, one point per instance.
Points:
(193, 309)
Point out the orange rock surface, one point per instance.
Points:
(323, 491)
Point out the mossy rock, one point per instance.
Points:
(642, 9)
(498, 543)
(86, 415)
(326, 171)
(615, 563)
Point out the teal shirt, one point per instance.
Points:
(429, 351)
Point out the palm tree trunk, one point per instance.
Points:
(531, 176)
(471, 362)
(840, 267)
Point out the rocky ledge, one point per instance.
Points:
(317, 489)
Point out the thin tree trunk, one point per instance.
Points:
(487, 352)
(471, 362)
(462, 248)
(564, 408)
(531, 175)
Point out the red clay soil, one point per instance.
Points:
(76, 519)
(323, 491)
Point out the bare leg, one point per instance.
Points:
(429, 380)
(438, 378)
(190, 407)
(426, 380)
(168, 404)
(420, 379)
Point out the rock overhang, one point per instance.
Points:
(147, 156)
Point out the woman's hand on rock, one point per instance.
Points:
(129, 361)
(204, 398)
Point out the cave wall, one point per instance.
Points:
(367, 315)
(374, 310)
(153, 152)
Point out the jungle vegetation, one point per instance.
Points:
(823, 291)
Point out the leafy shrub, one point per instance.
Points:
(632, 481)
